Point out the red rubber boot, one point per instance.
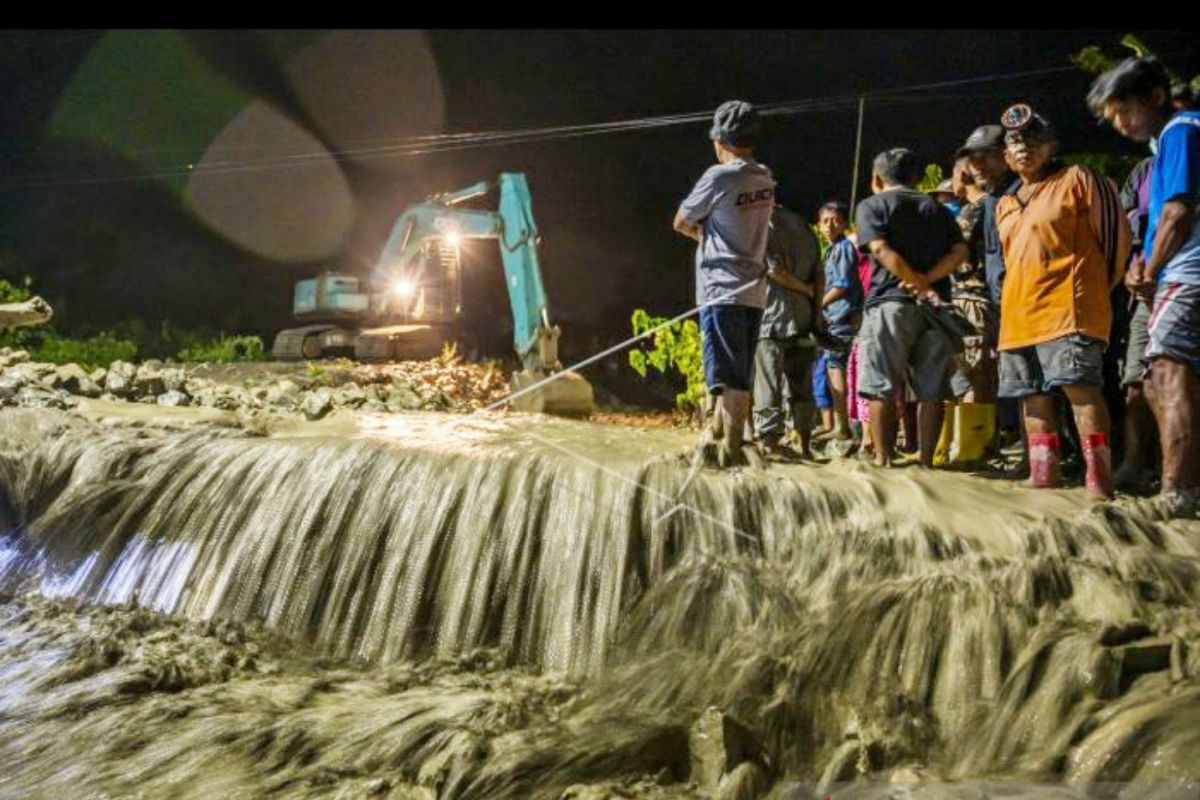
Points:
(1098, 457)
(1043, 460)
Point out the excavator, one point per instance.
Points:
(412, 305)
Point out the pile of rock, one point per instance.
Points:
(437, 385)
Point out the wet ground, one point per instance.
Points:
(425, 605)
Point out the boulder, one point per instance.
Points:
(69, 377)
(717, 745)
(317, 404)
(282, 393)
(119, 380)
(11, 357)
(174, 379)
(9, 386)
(404, 397)
(148, 380)
(173, 398)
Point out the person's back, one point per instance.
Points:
(918, 228)
(733, 203)
(728, 214)
(792, 247)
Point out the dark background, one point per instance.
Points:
(102, 252)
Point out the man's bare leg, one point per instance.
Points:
(883, 430)
(1176, 390)
(1140, 432)
(841, 411)
(929, 427)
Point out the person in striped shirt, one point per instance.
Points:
(1066, 240)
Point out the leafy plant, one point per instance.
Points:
(932, 177)
(224, 349)
(15, 293)
(676, 349)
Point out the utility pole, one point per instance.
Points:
(857, 156)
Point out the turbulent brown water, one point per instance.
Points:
(431, 606)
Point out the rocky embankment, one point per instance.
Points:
(440, 384)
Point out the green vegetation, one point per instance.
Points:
(127, 341)
(676, 350)
(224, 349)
(932, 177)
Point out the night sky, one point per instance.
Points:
(102, 250)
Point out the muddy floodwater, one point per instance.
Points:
(429, 606)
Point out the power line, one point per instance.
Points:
(452, 142)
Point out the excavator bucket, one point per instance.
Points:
(568, 394)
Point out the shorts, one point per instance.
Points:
(1174, 327)
(896, 341)
(1071, 360)
(730, 334)
(820, 382)
(782, 376)
(1139, 337)
(838, 357)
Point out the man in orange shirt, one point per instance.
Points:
(1066, 241)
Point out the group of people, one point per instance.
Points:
(1002, 291)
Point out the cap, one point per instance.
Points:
(985, 137)
(735, 123)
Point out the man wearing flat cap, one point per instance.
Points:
(728, 213)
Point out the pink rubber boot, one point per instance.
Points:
(1098, 457)
(1043, 460)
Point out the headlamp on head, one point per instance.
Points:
(1022, 124)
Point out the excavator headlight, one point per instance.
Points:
(403, 288)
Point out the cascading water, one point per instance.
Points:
(459, 607)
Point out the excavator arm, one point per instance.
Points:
(512, 226)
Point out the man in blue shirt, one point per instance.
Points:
(1135, 97)
(728, 214)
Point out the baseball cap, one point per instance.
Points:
(735, 123)
(985, 137)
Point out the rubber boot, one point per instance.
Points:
(974, 428)
(1098, 457)
(1043, 460)
(941, 453)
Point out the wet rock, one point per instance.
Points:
(283, 392)
(172, 399)
(717, 744)
(317, 404)
(174, 379)
(97, 375)
(9, 386)
(69, 377)
(10, 357)
(40, 397)
(148, 380)
(29, 371)
(852, 759)
(120, 377)
(350, 395)
(748, 781)
(405, 398)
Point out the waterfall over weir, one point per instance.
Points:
(855, 621)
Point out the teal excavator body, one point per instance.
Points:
(415, 299)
